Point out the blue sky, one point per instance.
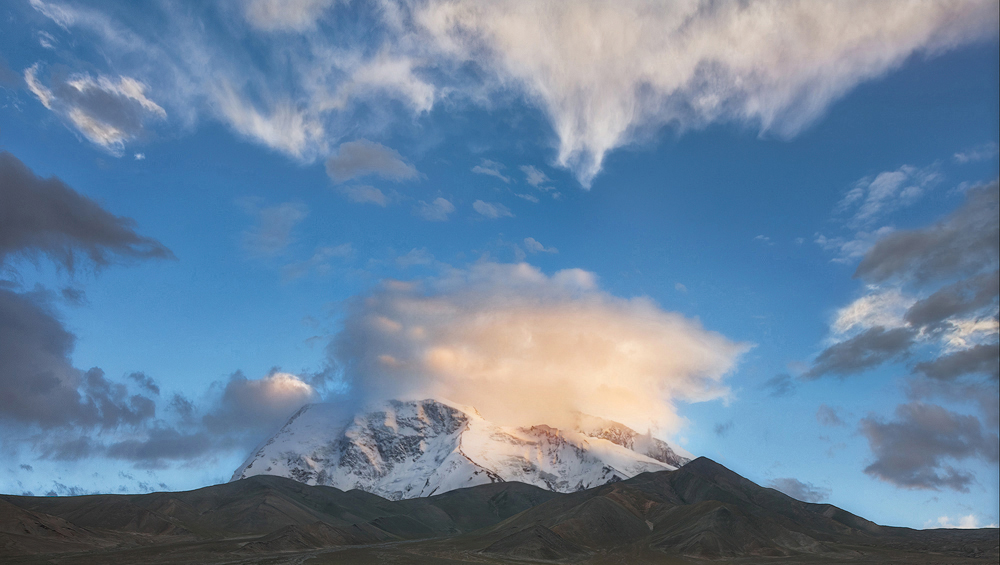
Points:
(767, 215)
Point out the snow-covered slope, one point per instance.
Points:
(419, 448)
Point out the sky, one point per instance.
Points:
(765, 231)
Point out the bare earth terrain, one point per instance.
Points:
(700, 513)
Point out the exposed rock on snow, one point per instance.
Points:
(418, 448)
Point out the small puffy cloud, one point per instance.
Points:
(680, 287)
(436, 211)
(139, 156)
(285, 15)
(492, 210)
(976, 154)
(107, 111)
(362, 157)
(46, 217)
(533, 176)
(872, 198)
(524, 347)
(529, 197)
(250, 406)
(491, 168)
(915, 449)
(964, 243)
(363, 194)
(879, 307)
(799, 490)
(827, 416)
(854, 246)
(271, 233)
(967, 522)
(534, 246)
(763, 239)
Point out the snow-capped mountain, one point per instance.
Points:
(418, 448)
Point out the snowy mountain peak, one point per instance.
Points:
(418, 448)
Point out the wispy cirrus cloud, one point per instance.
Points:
(775, 66)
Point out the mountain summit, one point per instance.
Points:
(411, 449)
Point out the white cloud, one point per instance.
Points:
(976, 154)
(492, 210)
(283, 126)
(436, 211)
(608, 73)
(529, 197)
(533, 176)
(525, 347)
(872, 198)
(879, 307)
(491, 168)
(534, 246)
(605, 74)
(139, 156)
(967, 522)
(107, 111)
(854, 247)
(680, 287)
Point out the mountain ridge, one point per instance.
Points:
(701, 511)
(407, 449)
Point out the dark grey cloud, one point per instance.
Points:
(779, 385)
(962, 297)
(27, 467)
(38, 381)
(250, 407)
(915, 450)
(982, 394)
(145, 382)
(981, 359)
(70, 449)
(46, 217)
(965, 243)
(864, 351)
(183, 406)
(827, 416)
(164, 444)
(359, 158)
(799, 490)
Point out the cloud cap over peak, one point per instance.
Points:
(525, 347)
